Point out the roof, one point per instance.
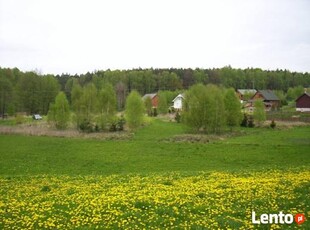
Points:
(150, 95)
(245, 91)
(179, 96)
(269, 95)
(305, 93)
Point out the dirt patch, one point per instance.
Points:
(42, 130)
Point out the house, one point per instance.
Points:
(154, 98)
(303, 103)
(243, 93)
(269, 98)
(178, 101)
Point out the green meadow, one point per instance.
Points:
(152, 150)
(159, 178)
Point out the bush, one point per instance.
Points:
(113, 126)
(177, 117)
(121, 122)
(251, 122)
(117, 124)
(273, 124)
(19, 119)
(155, 112)
(86, 126)
(244, 122)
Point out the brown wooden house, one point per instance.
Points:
(154, 98)
(242, 93)
(303, 103)
(271, 101)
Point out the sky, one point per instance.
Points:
(79, 36)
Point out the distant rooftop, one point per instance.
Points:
(269, 95)
(246, 91)
(150, 95)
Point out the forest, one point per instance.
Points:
(32, 92)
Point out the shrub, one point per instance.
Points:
(244, 122)
(178, 117)
(155, 112)
(19, 119)
(113, 126)
(120, 123)
(273, 124)
(251, 122)
(117, 124)
(86, 126)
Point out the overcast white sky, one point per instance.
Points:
(76, 36)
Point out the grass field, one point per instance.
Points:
(151, 182)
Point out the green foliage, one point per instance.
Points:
(33, 92)
(76, 95)
(85, 104)
(251, 122)
(87, 127)
(59, 113)
(273, 124)
(259, 112)
(232, 108)
(6, 95)
(134, 111)
(19, 119)
(49, 89)
(162, 102)
(244, 122)
(294, 92)
(28, 87)
(177, 117)
(107, 105)
(89, 100)
(204, 109)
(117, 124)
(280, 94)
(148, 106)
(154, 112)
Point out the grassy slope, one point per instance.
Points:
(263, 149)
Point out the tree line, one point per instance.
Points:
(32, 92)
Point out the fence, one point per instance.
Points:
(288, 116)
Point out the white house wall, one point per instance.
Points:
(177, 104)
